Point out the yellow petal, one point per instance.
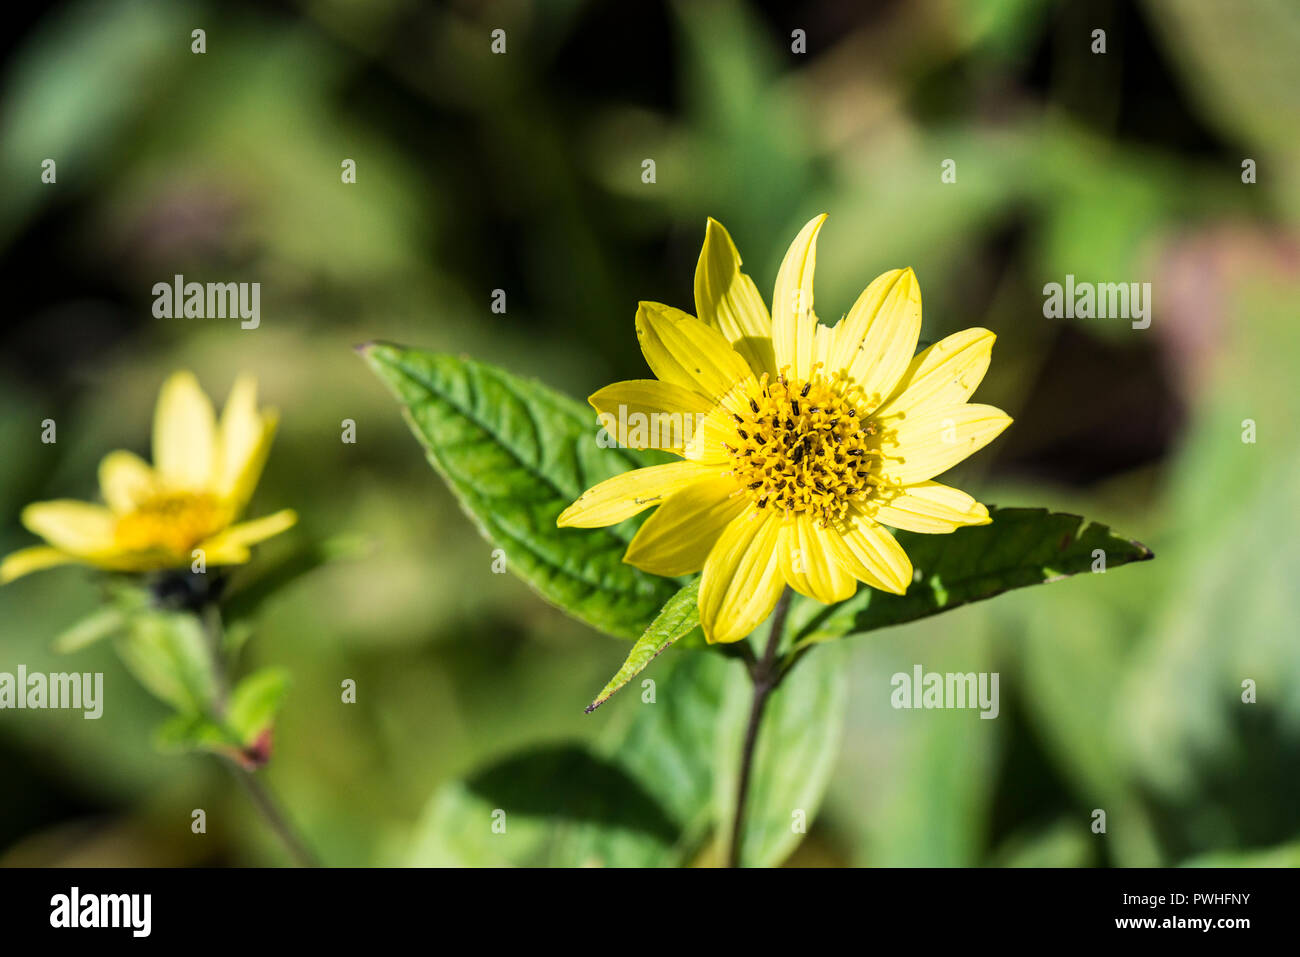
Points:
(931, 508)
(184, 434)
(742, 577)
(649, 414)
(728, 300)
(824, 343)
(876, 340)
(707, 446)
(794, 323)
(27, 560)
(625, 495)
(809, 562)
(945, 374)
(930, 444)
(870, 554)
(126, 481)
(684, 351)
(225, 553)
(79, 528)
(244, 440)
(677, 538)
(243, 534)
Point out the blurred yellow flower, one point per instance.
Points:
(203, 475)
(809, 438)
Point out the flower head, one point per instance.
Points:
(203, 474)
(807, 439)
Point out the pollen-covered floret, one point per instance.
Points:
(803, 447)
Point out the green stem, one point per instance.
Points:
(766, 675)
(258, 793)
(266, 805)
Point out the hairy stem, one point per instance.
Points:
(765, 674)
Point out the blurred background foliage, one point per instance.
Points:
(523, 172)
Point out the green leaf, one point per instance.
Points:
(525, 809)
(99, 624)
(1067, 843)
(254, 703)
(654, 787)
(797, 746)
(168, 653)
(1022, 546)
(678, 618)
(122, 602)
(667, 738)
(192, 732)
(640, 796)
(249, 713)
(515, 454)
(1284, 855)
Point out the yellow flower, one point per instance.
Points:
(801, 441)
(203, 475)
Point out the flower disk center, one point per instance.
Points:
(803, 447)
(174, 523)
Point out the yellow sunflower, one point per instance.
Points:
(801, 441)
(203, 475)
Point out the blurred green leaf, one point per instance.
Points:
(516, 454)
(1022, 546)
(667, 739)
(678, 618)
(1196, 745)
(255, 701)
(116, 49)
(933, 810)
(1242, 68)
(640, 797)
(96, 626)
(1284, 855)
(1064, 844)
(249, 713)
(168, 653)
(521, 811)
(191, 732)
(797, 746)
